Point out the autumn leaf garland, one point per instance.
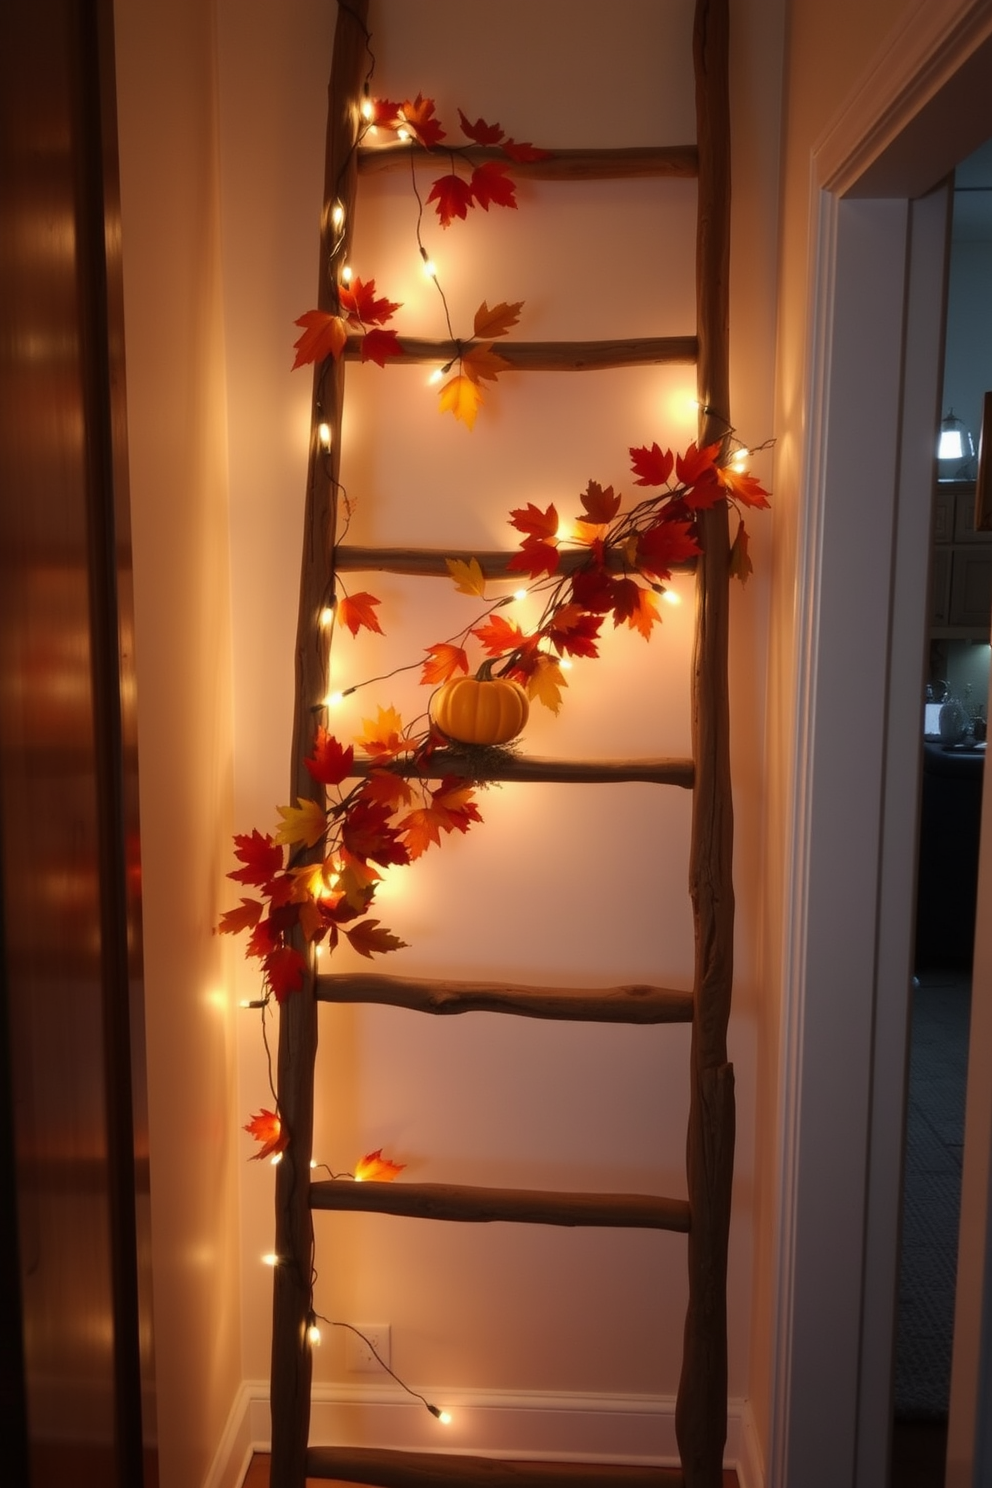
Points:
(363, 314)
(379, 812)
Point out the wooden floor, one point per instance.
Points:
(258, 1477)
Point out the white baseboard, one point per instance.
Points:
(236, 1446)
(535, 1426)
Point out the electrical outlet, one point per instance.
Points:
(358, 1357)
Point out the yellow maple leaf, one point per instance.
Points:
(462, 397)
(468, 577)
(481, 363)
(383, 735)
(306, 822)
(546, 682)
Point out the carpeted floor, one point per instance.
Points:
(932, 1195)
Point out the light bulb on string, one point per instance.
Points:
(337, 216)
(346, 274)
(270, 1259)
(326, 616)
(324, 436)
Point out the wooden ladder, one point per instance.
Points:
(701, 1411)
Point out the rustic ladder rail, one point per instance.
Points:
(701, 1411)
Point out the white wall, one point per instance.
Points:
(599, 894)
(176, 435)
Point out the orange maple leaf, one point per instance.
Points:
(419, 117)
(245, 917)
(383, 736)
(497, 321)
(462, 397)
(498, 635)
(742, 487)
(267, 1129)
(481, 362)
(356, 611)
(323, 335)
(387, 788)
(374, 1168)
(359, 299)
(546, 681)
(445, 660)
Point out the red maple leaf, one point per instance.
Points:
(267, 1129)
(419, 118)
(480, 131)
(356, 611)
(262, 859)
(323, 335)
(492, 182)
(534, 522)
(359, 299)
(524, 151)
(388, 789)
(330, 762)
(536, 557)
(600, 505)
(696, 465)
(377, 345)
(592, 588)
(284, 969)
(385, 113)
(574, 630)
(452, 197)
(651, 466)
(366, 833)
(663, 545)
(445, 660)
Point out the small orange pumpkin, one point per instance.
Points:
(480, 710)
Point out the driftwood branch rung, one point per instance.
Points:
(432, 563)
(629, 1004)
(681, 161)
(555, 356)
(505, 766)
(386, 1469)
(465, 1204)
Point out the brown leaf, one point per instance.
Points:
(497, 321)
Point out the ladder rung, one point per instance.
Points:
(505, 765)
(433, 562)
(629, 1004)
(559, 165)
(395, 1469)
(468, 1204)
(556, 356)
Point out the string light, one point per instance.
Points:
(270, 1259)
(324, 435)
(334, 699)
(435, 376)
(337, 216)
(255, 1002)
(276, 1159)
(519, 594)
(326, 616)
(436, 1411)
(346, 274)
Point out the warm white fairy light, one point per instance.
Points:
(324, 435)
(367, 109)
(334, 699)
(313, 1335)
(337, 216)
(326, 616)
(436, 376)
(276, 1159)
(520, 594)
(403, 134)
(270, 1259)
(346, 274)
(565, 663)
(670, 597)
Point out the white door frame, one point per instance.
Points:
(924, 104)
